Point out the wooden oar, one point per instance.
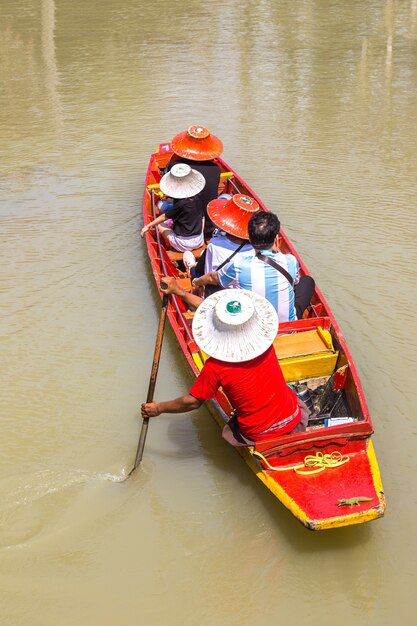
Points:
(152, 380)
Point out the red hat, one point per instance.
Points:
(197, 143)
(233, 215)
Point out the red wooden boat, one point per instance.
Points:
(327, 476)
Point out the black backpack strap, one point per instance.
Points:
(210, 289)
(231, 256)
(279, 268)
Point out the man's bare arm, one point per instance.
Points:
(170, 286)
(212, 278)
(179, 405)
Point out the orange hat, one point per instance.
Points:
(197, 144)
(233, 215)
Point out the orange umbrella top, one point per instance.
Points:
(197, 143)
(232, 215)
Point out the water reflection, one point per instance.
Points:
(51, 67)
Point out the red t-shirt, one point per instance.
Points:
(256, 389)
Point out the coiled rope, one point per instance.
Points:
(312, 464)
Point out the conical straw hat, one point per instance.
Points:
(232, 215)
(182, 182)
(235, 325)
(197, 143)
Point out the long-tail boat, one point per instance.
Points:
(327, 476)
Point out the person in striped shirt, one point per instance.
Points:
(287, 292)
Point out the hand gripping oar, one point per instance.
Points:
(152, 380)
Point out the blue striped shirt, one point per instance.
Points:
(249, 272)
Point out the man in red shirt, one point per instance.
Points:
(236, 328)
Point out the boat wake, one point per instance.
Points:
(30, 503)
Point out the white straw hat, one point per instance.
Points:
(235, 325)
(182, 182)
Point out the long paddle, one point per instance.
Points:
(152, 380)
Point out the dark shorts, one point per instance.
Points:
(232, 434)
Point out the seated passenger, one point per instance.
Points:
(236, 329)
(231, 216)
(270, 272)
(185, 230)
(198, 148)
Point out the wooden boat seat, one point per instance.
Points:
(307, 354)
(177, 256)
(185, 282)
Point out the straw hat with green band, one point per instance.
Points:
(235, 325)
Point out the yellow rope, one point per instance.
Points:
(312, 464)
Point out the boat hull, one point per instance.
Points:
(334, 495)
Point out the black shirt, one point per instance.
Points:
(211, 173)
(187, 215)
